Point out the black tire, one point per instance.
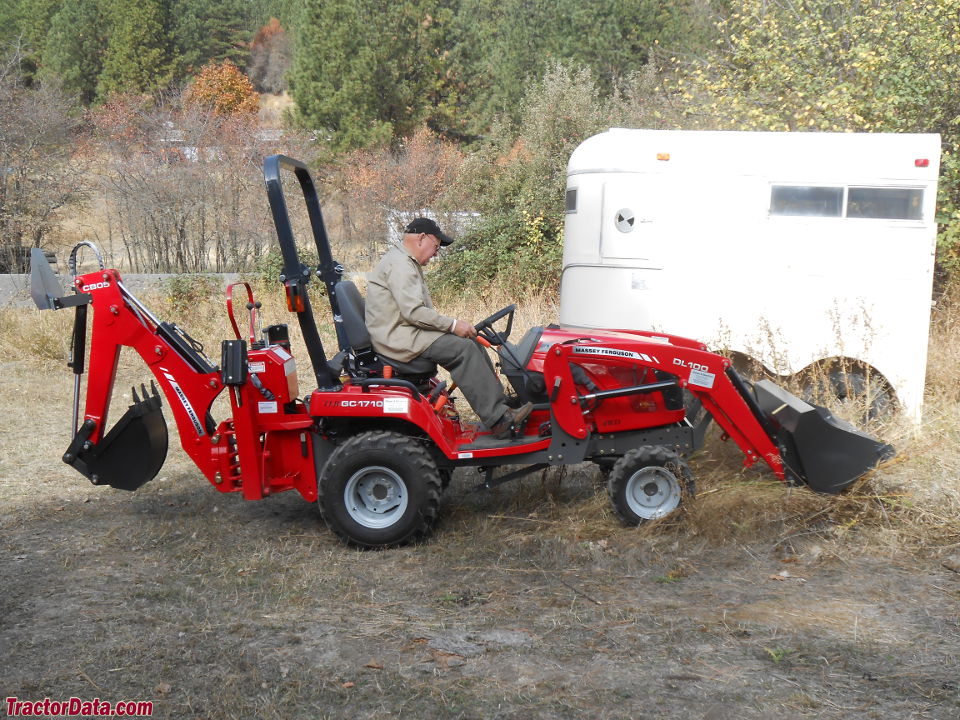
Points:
(647, 483)
(380, 489)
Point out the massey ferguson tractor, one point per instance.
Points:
(375, 441)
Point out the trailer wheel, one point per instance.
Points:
(648, 483)
(380, 489)
(862, 396)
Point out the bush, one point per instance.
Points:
(185, 292)
(516, 181)
(376, 188)
(223, 88)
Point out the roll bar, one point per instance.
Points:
(295, 275)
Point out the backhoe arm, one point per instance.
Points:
(134, 449)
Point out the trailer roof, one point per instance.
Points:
(725, 152)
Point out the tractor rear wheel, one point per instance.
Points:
(647, 483)
(380, 489)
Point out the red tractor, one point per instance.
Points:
(377, 441)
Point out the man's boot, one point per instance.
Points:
(511, 424)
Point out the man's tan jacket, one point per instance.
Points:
(400, 314)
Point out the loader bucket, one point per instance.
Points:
(131, 453)
(819, 449)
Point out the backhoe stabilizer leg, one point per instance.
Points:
(131, 453)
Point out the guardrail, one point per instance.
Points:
(15, 289)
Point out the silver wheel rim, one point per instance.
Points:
(653, 492)
(375, 497)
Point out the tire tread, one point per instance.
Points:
(399, 445)
(644, 455)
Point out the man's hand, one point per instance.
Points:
(464, 329)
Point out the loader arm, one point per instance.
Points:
(703, 373)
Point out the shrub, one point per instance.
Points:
(223, 88)
(186, 291)
(516, 180)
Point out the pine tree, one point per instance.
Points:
(30, 20)
(501, 47)
(366, 71)
(138, 53)
(9, 24)
(207, 31)
(73, 49)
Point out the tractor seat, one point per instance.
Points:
(521, 352)
(417, 366)
(353, 311)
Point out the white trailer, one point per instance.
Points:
(797, 250)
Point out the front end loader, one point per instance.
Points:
(376, 441)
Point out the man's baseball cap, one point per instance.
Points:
(428, 226)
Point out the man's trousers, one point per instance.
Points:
(471, 369)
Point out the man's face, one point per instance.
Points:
(425, 247)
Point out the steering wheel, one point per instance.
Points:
(485, 328)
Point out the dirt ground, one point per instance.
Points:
(529, 602)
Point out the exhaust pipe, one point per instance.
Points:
(818, 449)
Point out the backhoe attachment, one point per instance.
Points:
(131, 453)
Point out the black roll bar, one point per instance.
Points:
(295, 275)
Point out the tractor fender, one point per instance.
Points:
(356, 409)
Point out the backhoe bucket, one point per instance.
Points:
(131, 453)
(819, 449)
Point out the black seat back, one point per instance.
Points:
(353, 310)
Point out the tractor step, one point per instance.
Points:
(489, 442)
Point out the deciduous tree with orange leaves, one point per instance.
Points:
(225, 89)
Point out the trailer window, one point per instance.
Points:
(806, 200)
(885, 203)
(571, 200)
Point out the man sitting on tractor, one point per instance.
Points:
(403, 325)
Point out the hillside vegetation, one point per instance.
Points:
(135, 124)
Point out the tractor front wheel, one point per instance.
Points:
(648, 483)
(380, 489)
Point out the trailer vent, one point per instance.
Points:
(571, 200)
